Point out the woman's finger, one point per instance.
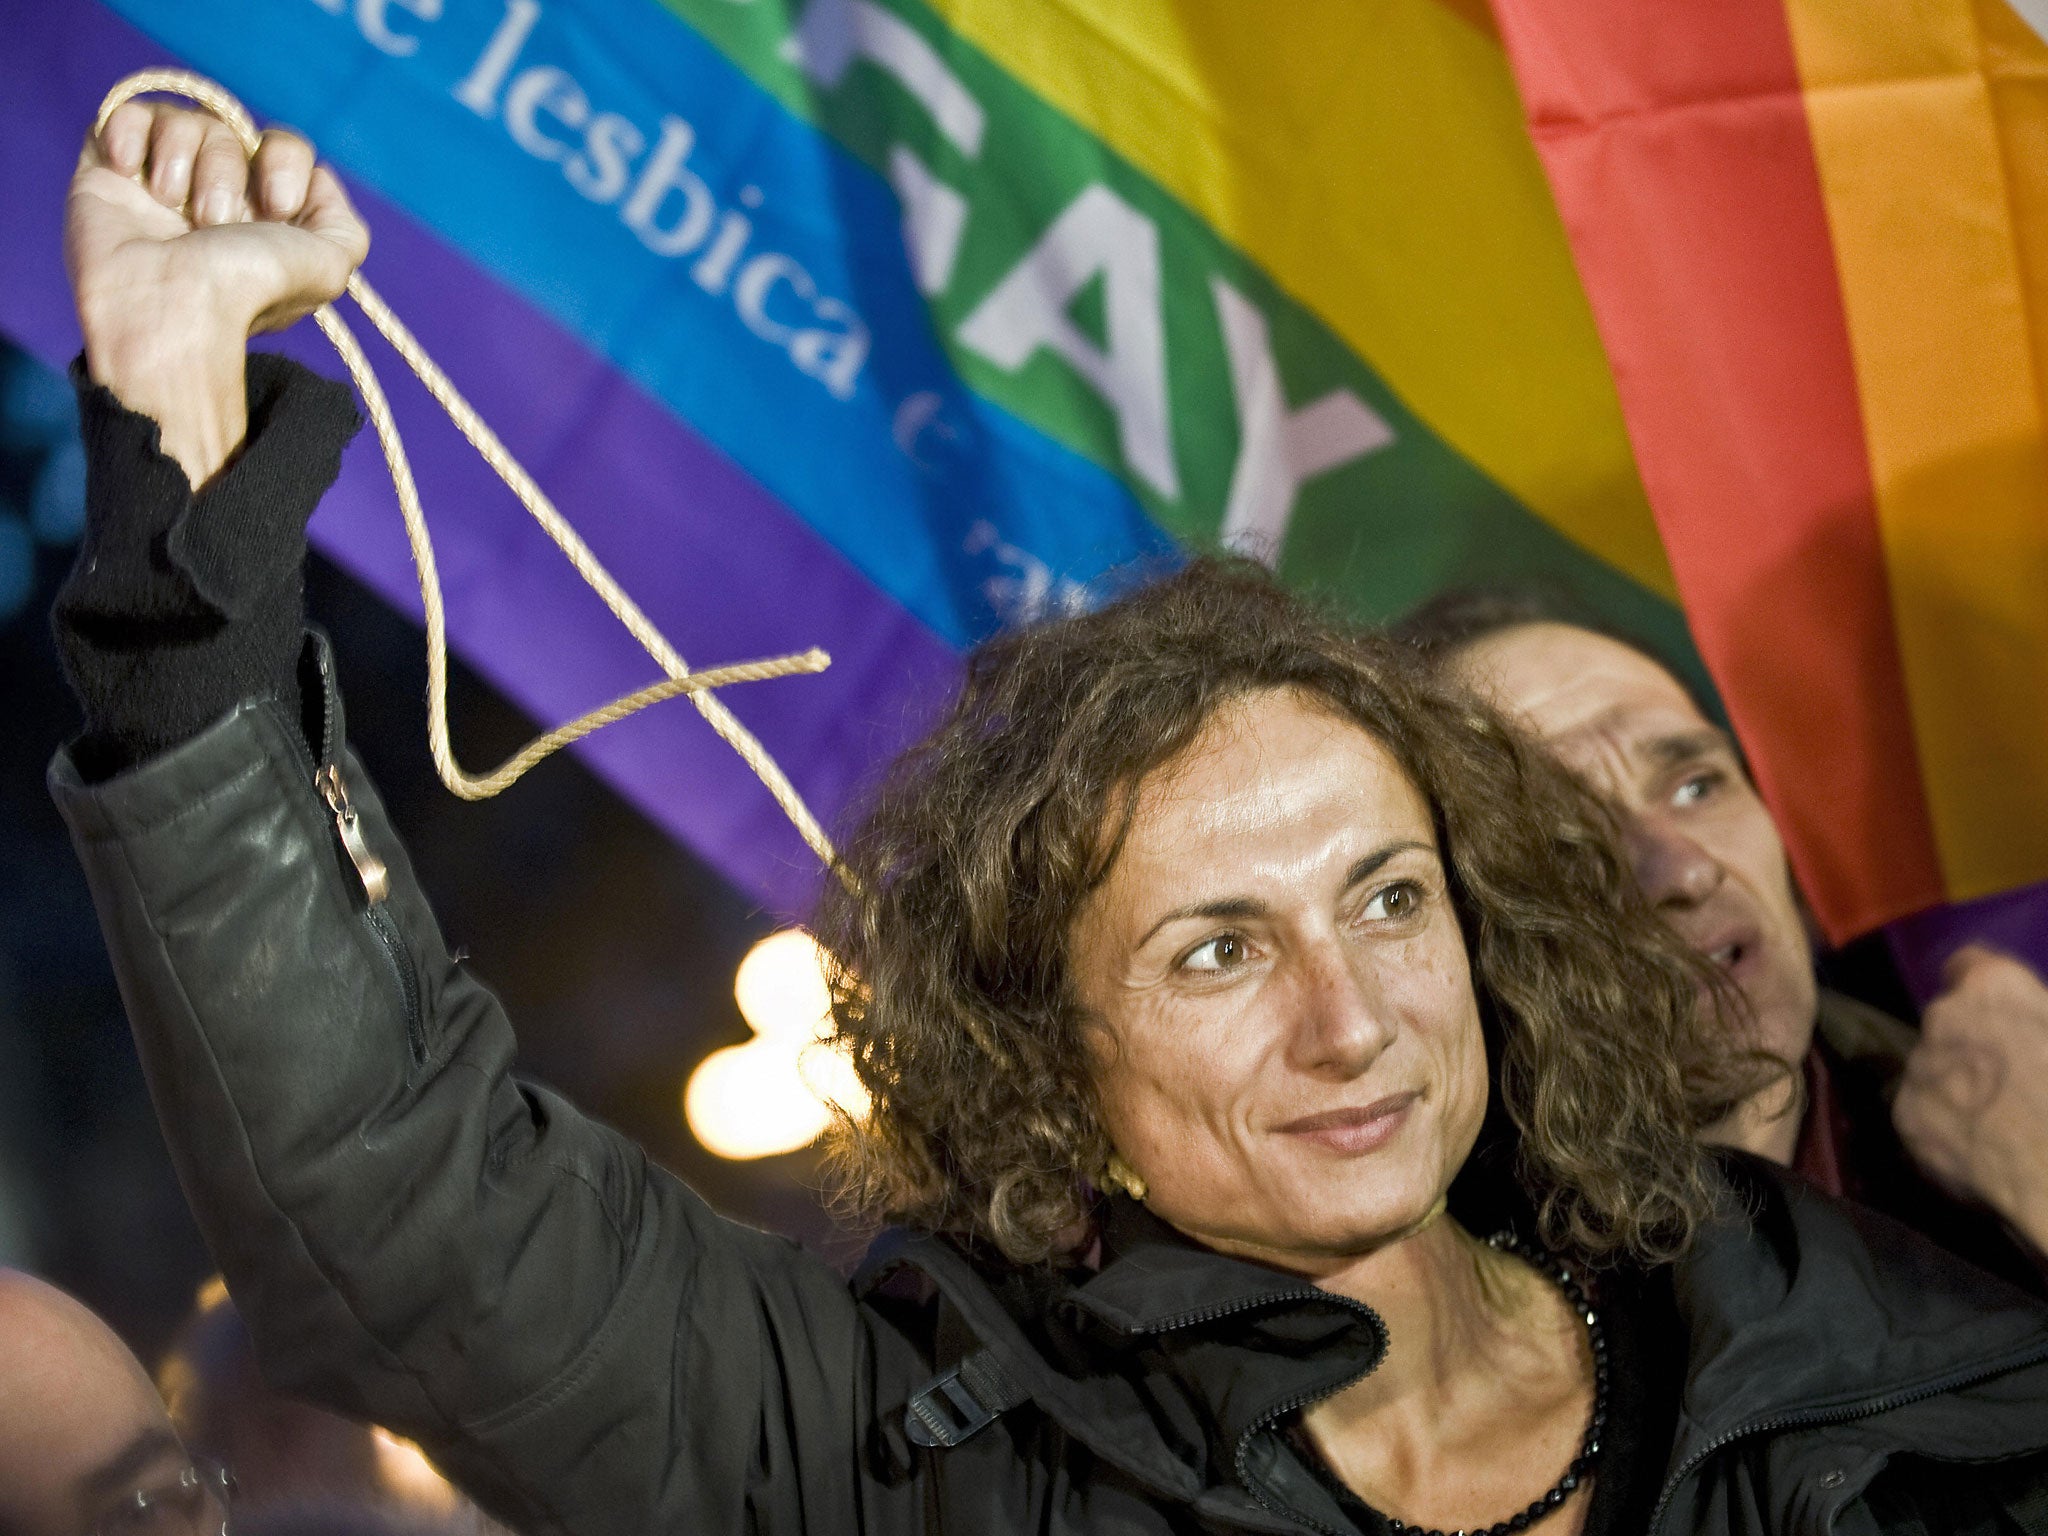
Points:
(220, 177)
(125, 140)
(173, 147)
(329, 214)
(321, 267)
(281, 174)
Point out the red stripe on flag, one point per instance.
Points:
(1676, 143)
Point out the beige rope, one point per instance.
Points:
(681, 680)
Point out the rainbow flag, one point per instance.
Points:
(880, 324)
(1814, 237)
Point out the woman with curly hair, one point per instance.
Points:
(1288, 1106)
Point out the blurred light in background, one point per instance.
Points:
(409, 1477)
(772, 1095)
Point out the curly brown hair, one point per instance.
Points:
(952, 992)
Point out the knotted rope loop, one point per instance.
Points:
(698, 686)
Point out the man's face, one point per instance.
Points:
(81, 1428)
(1703, 846)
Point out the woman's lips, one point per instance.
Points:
(1355, 1130)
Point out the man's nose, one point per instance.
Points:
(1673, 868)
(1343, 1021)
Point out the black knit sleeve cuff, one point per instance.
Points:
(248, 529)
(182, 605)
(153, 547)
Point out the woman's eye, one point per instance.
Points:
(1222, 953)
(1399, 900)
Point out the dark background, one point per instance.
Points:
(613, 947)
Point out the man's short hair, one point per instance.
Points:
(1460, 617)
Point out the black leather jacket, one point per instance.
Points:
(418, 1238)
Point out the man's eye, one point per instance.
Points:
(166, 1512)
(1401, 899)
(196, 1502)
(1224, 952)
(1696, 789)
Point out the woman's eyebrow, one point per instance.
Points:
(1228, 906)
(1246, 906)
(1373, 862)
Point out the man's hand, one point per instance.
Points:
(180, 247)
(1973, 1109)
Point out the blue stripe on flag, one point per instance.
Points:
(962, 512)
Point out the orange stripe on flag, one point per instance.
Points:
(1676, 141)
(1926, 173)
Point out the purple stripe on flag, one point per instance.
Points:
(727, 572)
(2014, 921)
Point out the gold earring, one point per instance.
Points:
(1118, 1174)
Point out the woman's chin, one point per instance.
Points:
(1356, 1214)
(1312, 1239)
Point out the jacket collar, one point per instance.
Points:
(1154, 1279)
(1170, 1360)
(1253, 1343)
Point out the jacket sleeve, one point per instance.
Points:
(415, 1237)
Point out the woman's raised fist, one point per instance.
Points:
(180, 246)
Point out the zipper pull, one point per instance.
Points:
(369, 868)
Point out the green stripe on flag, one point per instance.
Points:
(1397, 516)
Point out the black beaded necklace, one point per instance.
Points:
(1589, 1447)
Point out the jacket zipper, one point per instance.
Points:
(1273, 1416)
(370, 870)
(1280, 1410)
(1817, 1417)
(333, 789)
(376, 882)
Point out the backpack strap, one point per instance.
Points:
(964, 1400)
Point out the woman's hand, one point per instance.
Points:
(180, 246)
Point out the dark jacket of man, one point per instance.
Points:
(1849, 1148)
(420, 1239)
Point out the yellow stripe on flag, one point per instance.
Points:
(1372, 157)
(1915, 166)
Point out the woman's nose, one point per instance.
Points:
(1342, 1023)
